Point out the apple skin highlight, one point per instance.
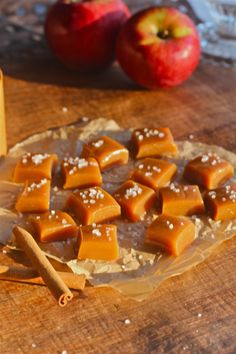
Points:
(82, 34)
(159, 47)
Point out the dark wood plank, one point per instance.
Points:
(192, 313)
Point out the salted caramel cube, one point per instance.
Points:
(93, 205)
(53, 226)
(154, 173)
(181, 200)
(172, 233)
(34, 167)
(79, 173)
(98, 242)
(135, 199)
(153, 142)
(35, 197)
(221, 202)
(106, 151)
(208, 171)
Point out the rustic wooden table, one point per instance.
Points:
(192, 313)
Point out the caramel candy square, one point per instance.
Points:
(135, 199)
(53, 226)
(208, 171)
(79, 173)
(98, 242)
(93, 205)
(181, 200)
(221, 202)
(172, 233)
(154, 173)
(35, 197)
(106, 151)
(34, 167)
(153, 142)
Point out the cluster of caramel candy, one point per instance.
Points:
(149, 185)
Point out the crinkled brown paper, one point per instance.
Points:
(140, 268)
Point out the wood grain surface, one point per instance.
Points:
(192, 313)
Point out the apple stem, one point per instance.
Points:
(75, 1)
(163, 34)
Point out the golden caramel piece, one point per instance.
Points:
(221, 202)
(34, 167)
(181, 200)
(208, 171)
(79, 173)
(35, 197)
(154, 173)
(98, 242)
(93, 205)
(172, 233)
(153, 142)
(135, 199)
(106, 151)
(53, 226)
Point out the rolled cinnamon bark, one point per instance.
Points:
(31, 276)
(39, 261)
(3, 139)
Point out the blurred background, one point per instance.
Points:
(21, 29)
(27, 61)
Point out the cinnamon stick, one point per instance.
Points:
(31, 276)
(3, 139)
(58, 288)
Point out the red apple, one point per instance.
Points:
(158, 47)
(83, 33)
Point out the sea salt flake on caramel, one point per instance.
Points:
(98, 242)
(106, 151)
(135, 199)
(154, 173)
(181, 200)
(93, 205)
(34, 167)
(221, 202)
(153, 142)
(172, 233)
(208, 171)
(35, 197)
(80, 172)
(53, 226)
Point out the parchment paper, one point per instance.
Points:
(140, 268)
